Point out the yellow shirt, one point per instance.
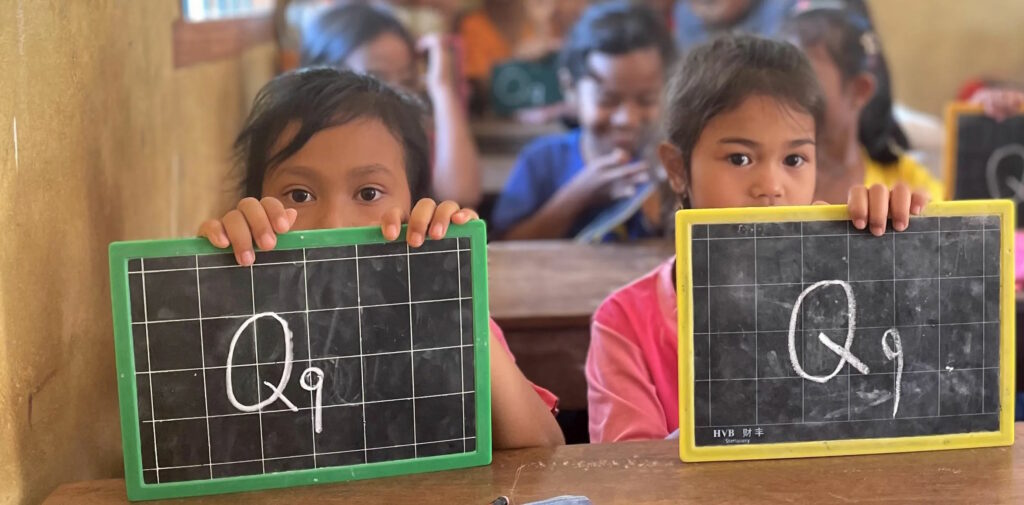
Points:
(907, 171)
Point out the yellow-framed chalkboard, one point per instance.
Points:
(902, 388)
(975, 143)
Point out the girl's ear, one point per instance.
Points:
(675, 167)
(862, 88)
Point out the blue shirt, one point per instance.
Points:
(544, 166)
(764, 18)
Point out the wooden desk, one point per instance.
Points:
(504, 136)
(543, 294)
(651, 473)
(500, 142)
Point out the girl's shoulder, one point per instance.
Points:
(651, 298)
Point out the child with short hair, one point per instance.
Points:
(744, 116)
(369, 40)
(324, 148)
(613, 70)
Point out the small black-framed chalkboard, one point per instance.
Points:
(984, 158)
(800, 335)
(336, 356)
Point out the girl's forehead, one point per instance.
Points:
(760, 116)
(340, 149)
(642, 65)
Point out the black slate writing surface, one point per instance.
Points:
(985, 156)
(936, 286)
(390, 330)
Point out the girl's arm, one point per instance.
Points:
(519, 417)
(456, 162)
(621, 399)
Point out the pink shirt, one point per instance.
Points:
(632, 374)
(546, 396)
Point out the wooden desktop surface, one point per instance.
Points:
(651, 473)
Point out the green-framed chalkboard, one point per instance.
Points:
(336, 356)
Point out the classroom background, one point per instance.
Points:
(118, 118)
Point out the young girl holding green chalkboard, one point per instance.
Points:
(324, 148)
(744, 117)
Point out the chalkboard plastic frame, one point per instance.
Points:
(953, 113)
(690, 452)
(137, 489)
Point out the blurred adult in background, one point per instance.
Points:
(368, 39)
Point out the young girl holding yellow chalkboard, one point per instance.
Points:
(324, 148)
(860, 141)
(743, 118)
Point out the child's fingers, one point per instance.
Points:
(240, 236)
(213, 230)
(416, 232)
(464, 216)
(857, 203)
(391, 223)
(442, 217)
(428, 42)
(292, 215)
(259, 223)
(918, 201)
(819, 202)
(628, 172)
(899, 207)
(878, 208)
(615, 158)
(275, 210)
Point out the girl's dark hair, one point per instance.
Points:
(844, 30)
(718, 76)
(616, 27)
(319, 98)
(337, 32)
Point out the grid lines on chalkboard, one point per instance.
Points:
(256, 353)
(444, 394)
(202, 350)
(908, 291)
(462, 342)
(149, 363)
(756, 392)
(309, 345)
(412, 362)
(362, 364)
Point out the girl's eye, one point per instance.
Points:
(740, 160)
(794, 160)
(300, 196)
(369, 194)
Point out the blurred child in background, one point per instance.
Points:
(613, 69)
(369, 40)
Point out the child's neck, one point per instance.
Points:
(839, 169)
